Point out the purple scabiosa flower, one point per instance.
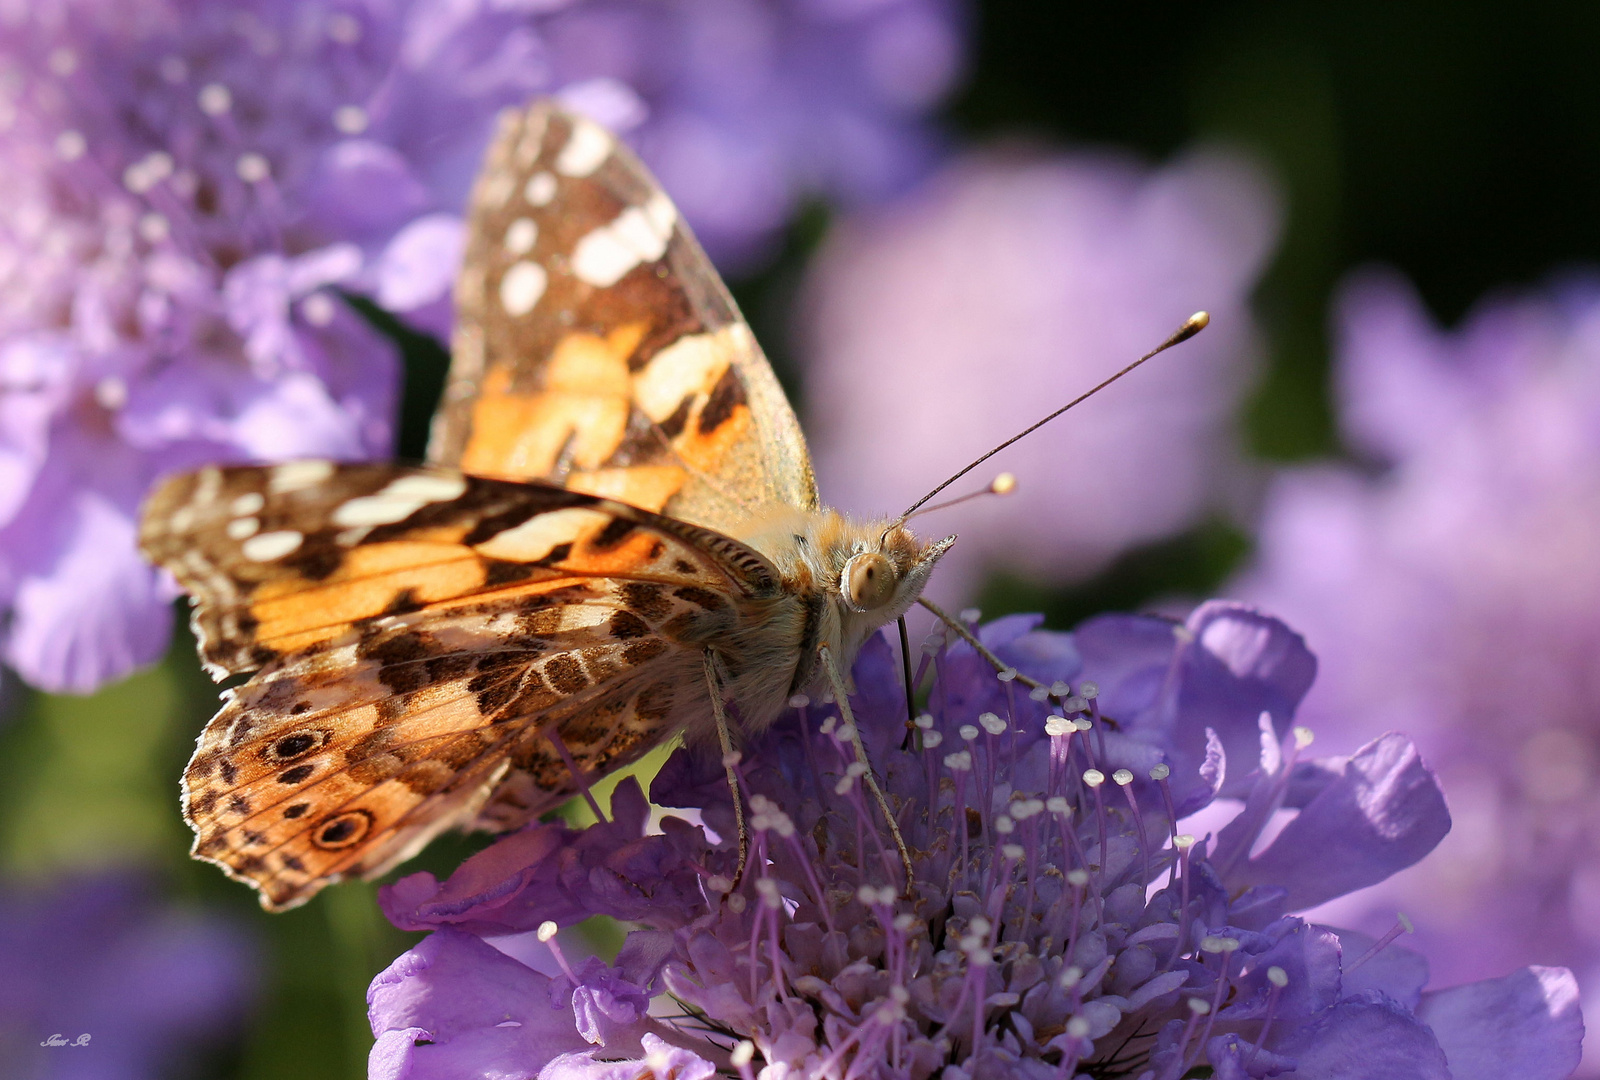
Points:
(1455, 591)
(1004, 288)
(104, 981)
(1060, 922)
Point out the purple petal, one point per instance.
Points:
(1382, 812)
(479, 1008)
(661, 1061)
(1367, 1037)
(420, 263)
(1398, 972)
(1531, 1018)
(90, 610)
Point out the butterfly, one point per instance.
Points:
(616, 538)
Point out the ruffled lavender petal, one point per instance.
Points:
(1531, 1017)
(1378, 815)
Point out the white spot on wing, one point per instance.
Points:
(691, 365)
(587, 146)
(539, 535)
(265, 547)
(521, 287)
(298, 474)
(399, 500)
(540, 189)
(241, 528)
(521, 235)
(638, 235)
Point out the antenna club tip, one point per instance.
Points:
(1199, 320)
(1004, 484)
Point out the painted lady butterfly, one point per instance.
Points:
(617, 531)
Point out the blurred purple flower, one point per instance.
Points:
(1456, 593)
(149, 984)
(1007, 286)
(1057, 927)
(188, 184)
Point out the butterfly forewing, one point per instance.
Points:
(595, 345)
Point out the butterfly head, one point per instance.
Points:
(883, 571)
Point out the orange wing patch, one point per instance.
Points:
(278, 566)
(596, 347)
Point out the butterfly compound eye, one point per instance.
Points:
(868, 581)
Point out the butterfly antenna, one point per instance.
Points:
(1195, 323)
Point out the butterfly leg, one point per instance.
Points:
(842, 696)
(1000, 666)
(730, 761)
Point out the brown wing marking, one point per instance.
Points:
(365, 541)
(594, 334)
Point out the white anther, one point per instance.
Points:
(1058, 805)
(547, 930)
(737, 903)
(1078, 1027)
(898, 992)
(350, 119)
(931, 740)
(1161, 772)
(742, 1054)
(718, 884)
(980, 925)
(1183, 841)
(1122, 777)
(959, 762)
(968, 731)
(1069, 977)
(867, 894)
(1060, 689)
(925, 721)
(827, 726)
(905, 922)
(855, 769)
(1007, 675)
(1093, 777)
(1014, 852)
(992, 723)
(1277, 976)
(71, 145)
(252, 168)
(215, 99)
(847, 733)
(1075, 703)
(1303, 737)
(1038, 693)
(799, 701)
(1004, 825)
(843, 785)
(1056, 726)
(1083, 725)
(1077, 878)
(1199, 1006)
(1089, 689)
(971, 615)
(731, 759)
(770, 896)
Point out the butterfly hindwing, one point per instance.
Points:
(595, 345)
(343, 763)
